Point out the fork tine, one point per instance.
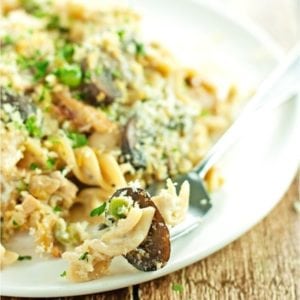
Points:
(199, 199)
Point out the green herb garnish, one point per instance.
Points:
(139, 48)
(116, 74)
(15, 223)
(67, 52)
(8, 40)
(98, 210)
(79, 96)
(98, 70)
(32, 127)
(204, 112)
(25, 257)
(50, 162)
(84, 256)
(36, 64)
(87, 76)
(33, 7)
(121, 34)
(69, 75)
(57, 209)
(33, 166)
(24, 62)
(63, 274)
(22, 186)
(54, 22)
(177, 287)
(43, 94)
(78, 139)
(40, 69)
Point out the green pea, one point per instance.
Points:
(70, 75)
(117, 207)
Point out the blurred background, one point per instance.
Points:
(280, 18)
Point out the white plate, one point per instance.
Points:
(258, 169)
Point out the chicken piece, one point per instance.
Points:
(173, 207)
(84, 117)
(7, 257)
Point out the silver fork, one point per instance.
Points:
(282, 84)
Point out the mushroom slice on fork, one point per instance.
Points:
(154, 252)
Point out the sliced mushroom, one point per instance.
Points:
(102, 90)
(20, 102)
(129, 145)
(154, 252)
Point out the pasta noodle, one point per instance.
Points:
(111, 243)
(90, 166)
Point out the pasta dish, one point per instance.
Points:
(91, 114)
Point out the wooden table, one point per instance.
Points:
(265, 262)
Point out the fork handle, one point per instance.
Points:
(285, 78)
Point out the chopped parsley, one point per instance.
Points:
(78, 139)
(54, 22)
(116, 74)
(44, 94)
(33, 166)
(36, 64)
(33, 7)
(87, 76)
(24, 62)
(40, 69)
(177, 287)
(63, 274)
(139, 48)
(7, 40)
(50, 162)
(70, 75)
(98, 70)
(84, 256)
(57, 209)
(15, 223)
(79, 96)
(67, 52)
(204, 112)
(98, 210)
(25, 257)
(22, 186)
(32, 127)
(121, 34)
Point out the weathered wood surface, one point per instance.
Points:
(265, 262)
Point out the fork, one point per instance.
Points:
(282, 84)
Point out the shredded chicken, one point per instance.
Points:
(54, 184)
(173, 207)
(81, 115)
(7, 257)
